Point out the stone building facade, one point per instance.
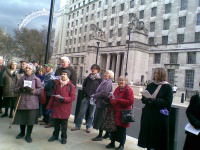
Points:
(170, 38)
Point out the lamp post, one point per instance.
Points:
(129, 37)
(97, 51)
(49, 32)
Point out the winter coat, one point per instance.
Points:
(2, 69)
(90, 86)
(48, 84)
(62, 110)
(154, 126)
(28, 100)
(73, 76)
(9, 82)
(124, 99)
(102, 92)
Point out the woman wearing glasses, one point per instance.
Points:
(27, 112)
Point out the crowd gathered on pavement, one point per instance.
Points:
(31, 91)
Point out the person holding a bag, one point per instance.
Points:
(27, 111)
(61, 105)
(193, 115)
(154, 126)
(102, 103)
(123, 99)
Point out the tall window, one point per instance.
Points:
(105, 12)
(119, 32)
(80, 29)
(99, 4)
(77, 13)
(76, 22)
(157, 58)
(74, 40)
(88, 9)
(152, 26)
(167, 8)
(118, 43)
(112, 22)
(82, 11)
(182, 22)
(131, 16)
(85, 28)
(120, 19)
(75, 31)
(79, 39)
(84, 38)
(84, 2)
(106, 2)
(98, 14)
(111, 33)
(104, 23)
(81, 20)
(153, 11)
(171, 75)
(142, 2)
(191, 57)
(164, 39)
(180, 38)
(189, 78)
(93, 6)
(69, 17)
(113, 9)
(141, 14)
(198, 19)
(98, 24)
(92, 17)
(197, 36)
(173, 58)
(183, 4)
(151, 41)
(122, 7)
(86, 19)
(131, 3)
(166, 24)
(199, 3)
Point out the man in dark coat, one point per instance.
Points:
(2, 69)
(65, 65)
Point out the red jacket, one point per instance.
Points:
(62, 110)
(123, 100)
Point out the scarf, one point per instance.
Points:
(63, 83)
(94, 76)
(158, 88)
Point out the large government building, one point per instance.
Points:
(131, 37)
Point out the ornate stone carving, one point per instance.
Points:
(97, 33)
(137, 25)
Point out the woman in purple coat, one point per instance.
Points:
(27, 112)
(102, 103)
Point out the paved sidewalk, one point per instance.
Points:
(77, 140)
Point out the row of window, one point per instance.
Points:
(191, 58)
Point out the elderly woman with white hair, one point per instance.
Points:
(27, 111)
(102, 103)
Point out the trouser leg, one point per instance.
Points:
(91, 115)
(122, 132)
(22, 129)
(56, 127)
(100, 133)
(29, 130)
(64, 123)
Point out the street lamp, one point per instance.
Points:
(129, 36)
(97, 51)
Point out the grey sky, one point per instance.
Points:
(12, 11)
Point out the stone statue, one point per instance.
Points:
(97, 32)
(137, 25)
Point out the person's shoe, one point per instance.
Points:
(75, 129)
(42, 123)
(28, 139)
(120, 147)
(98, 138)
(53, 138)
(19, 136)
(110, 146)
(4, 115)
(48, 126)
(106, 136)
(88, 130)
(63, 141)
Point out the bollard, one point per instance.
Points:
(182, 98)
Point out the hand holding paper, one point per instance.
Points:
(146, 94)
(58, 96)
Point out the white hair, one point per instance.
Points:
(32, 66)
(65, 58)
(111, 73)
(1, 57)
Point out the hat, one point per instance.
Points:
(34, 61)
(48, 65)
(68, 73)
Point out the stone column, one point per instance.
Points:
(108, 62)
(117, 66)
(113, 63)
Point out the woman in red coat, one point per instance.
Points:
(61, 105)
(123, 99)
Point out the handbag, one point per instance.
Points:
(109, 123)
(128, 116)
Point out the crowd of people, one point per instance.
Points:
(32, 90)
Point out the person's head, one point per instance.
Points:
(65, 75)
(23, 64)
(160, 75)
(30, 69)
(65, 62)
(48, 68)
(1, 60)
(108, 74)
(95, 69)
(13, 65)
(122, 81)
(40, 71)
(35, 63)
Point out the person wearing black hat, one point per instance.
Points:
(23, 64)
(61, 106)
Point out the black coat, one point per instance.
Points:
(90, 86)
(154, 127)
(193, 115)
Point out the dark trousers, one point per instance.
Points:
(1, 93)
(119, 135)
(28, 131)
(46, 118)
(63, 123)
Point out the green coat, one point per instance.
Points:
(9, 82)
